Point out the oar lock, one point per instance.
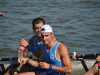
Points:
(74, 56)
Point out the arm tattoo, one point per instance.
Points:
(33, 63)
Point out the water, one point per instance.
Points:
(76, 23)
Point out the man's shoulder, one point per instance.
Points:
(62, 46)
(32, 39)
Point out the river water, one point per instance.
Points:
(76, 23)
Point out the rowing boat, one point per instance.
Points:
(79, 67)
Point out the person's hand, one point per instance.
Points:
(24, 60)
(44, 65)
(23, 42)
(95, 67)
(98, 57)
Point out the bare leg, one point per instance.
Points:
(27, 73)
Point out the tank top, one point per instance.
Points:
(37, 44)
(50, 56)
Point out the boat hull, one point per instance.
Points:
(78, 66)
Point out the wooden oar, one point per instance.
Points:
(85, 56)
(18, 68)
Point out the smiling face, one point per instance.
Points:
(47, 37)
(37, 29)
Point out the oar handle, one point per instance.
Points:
(18, 68)
(8, 59)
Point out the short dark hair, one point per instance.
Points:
(37, 21)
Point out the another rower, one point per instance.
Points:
(35, 43)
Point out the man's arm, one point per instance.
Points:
(34, 62)
(41, 53)
(63, 52)
(25, 43)
(32, 48)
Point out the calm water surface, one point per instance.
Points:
(76, 23)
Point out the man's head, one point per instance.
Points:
(46, 33)
(37, 23)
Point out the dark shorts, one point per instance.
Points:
(47, 72)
